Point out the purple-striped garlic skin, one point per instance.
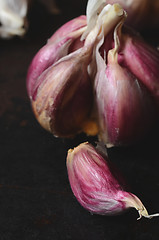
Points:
(127, 106)
(95, 184)
(92, 182)
(63, 98)
(143, 61)
(58, 46)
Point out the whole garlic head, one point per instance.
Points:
(12, 17)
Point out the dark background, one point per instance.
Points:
(36, 201)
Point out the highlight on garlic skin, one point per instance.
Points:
(95, 184)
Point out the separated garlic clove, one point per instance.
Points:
(95, 184)
(145, 61)
(58, 46)
(63, 96)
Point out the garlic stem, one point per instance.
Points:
(117, 33)
(107, 20)
(134, 202)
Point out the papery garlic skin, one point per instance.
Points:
(141, 13)
(13, 18)
(95, 185)
(136, 9)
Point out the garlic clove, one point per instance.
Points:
(59, 45)
(123, 103)
(145, 62)
(95, 185)
(63, 96)
(128, 106)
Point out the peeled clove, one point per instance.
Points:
(95, 184)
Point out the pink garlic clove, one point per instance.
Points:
(58, 46)
(96, 186)
(145, 62)
(128, 107)
(63, 95)
(125, 107)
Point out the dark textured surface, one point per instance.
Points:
(36, 201)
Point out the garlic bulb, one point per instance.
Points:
(58, 81)
(123, 93)
(95, 185)
(13, 18)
